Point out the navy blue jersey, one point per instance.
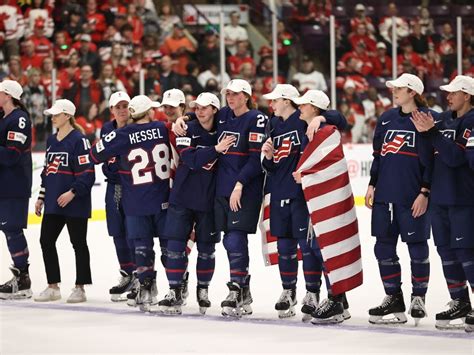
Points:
(403, 159)
(67, 166)
(110, 168)
(287, 136)
(15, 155)
(241, 162)
(194, 185)
(470, 149)
(453, 180)
(144, 165)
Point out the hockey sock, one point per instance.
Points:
(420, 267)
(453, 273)
(312, 266)
(18, 248)
(287, 262)
(236, 245)
(206, 262)
(176, 262)
(145, 258)
(466, 257)
(125, 255)
(389, 267)
(164, 251)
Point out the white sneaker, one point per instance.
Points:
(49, 294)
(78, 295)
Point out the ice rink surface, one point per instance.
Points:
(100, 326)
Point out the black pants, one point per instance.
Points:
(51, 227)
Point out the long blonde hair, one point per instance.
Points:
(75, 125)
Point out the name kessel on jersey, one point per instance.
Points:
(17, 137)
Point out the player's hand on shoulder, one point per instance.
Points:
(179, 127)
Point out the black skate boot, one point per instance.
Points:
(391, 304)
(330, 311)
(184, 288)
(126, 283)
(310, 303)
(202, 296)
(347, 315)
(147, 294)
(454, 317)
(469, 322)
(417, 308)
(232, 305)
(132, 295)
(172, 302)
(19, 286)
(286, 304)
(246, 298)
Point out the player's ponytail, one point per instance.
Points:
(420, 100)
(20, 105)
(251, 105)
(75, 125)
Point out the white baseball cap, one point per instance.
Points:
(117, 97)
(11, 88)
(462, 83)
(237, 85)
(349, 83)
(85, 37)
(381, 45)
(284, 91)
(173, 97)
(61, 106)
(314, 97)
(205, 99)
(141, 104)
(407, 81)
(360, 7)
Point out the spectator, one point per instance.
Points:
(213, 73)
(467, 68)
(91, 123)
(43, 46)
(350, 98)
(136, 22)
(361, 18)
(241, 56)
(15, 71)
(432, 64)
(285, 40)
(169, 78)
(71, 73)
(151, 48)
(62, 49)
(385, 25)
(74, 23)
(234, 33)
(109, 82)
(34, 97)
(382, 63)
(95, 23)
(426, 22)
(432, 101)
(167, 21)
(409, 55)
(87, 56)
(208, 50)
(153, 86)
(247, 72)
(446, 48)
(361, 60)
(191, 80)
(179, 47)
(309, 78)
(111, 10)
(361, 36)
(418, 40)
(12, 28)
(149, 19)
(118, 60)
(212, 86)
(47, 80)
(374, 105)
(39, 12)
(29, 58)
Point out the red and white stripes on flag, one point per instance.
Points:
(53, 167)
(328, 194)
(394, 145)
(283, 151)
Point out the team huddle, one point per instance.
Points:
(201, 176)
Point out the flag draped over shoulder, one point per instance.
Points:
(328, 195)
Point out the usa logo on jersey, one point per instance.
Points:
(396, 140)
(54, 161)
(229, 133)
(284, 143)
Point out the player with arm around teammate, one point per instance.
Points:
(452, 189)
(15, 179)
(66, 183)
(143, 147)
(398, 193)
(192, 204)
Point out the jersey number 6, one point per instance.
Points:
(140, 158)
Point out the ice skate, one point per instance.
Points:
(147, 294)
(310, 303)
(469, 322)
(233, 304)
(346, 314)
(18, 287)
(202, 296)
(417, 308)
(454, 317)
(126, 283)
(286, 304)
(330, 311)
(184, 288)
(132, 295)
(247, 298)
(391, 305)
(172, 302)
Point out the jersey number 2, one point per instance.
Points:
(140, 157)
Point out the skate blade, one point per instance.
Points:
(328, 321)
(469, 328)
(118, 298)
(286, 313)
(230, 312)
(399, 318)
(246, 310)
(203, 310)
(131, 303)
(454, 324)
(346, 315)
(171, 311)
(19, 295)
(306, 318)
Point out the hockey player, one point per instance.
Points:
(312, 105)
(66, 183)
(470, 157)
(15, 179)
(143, 147)
(398, 194)
(192, 204)
(452, 188)
(289, 218)
(118, 104)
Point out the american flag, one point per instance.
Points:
(328, 194)
(283, 151)
(394, 145)
(52, 167)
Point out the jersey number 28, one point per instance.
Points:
(140, 158)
